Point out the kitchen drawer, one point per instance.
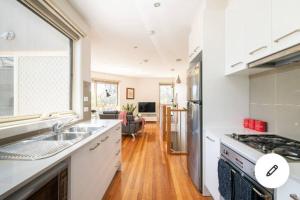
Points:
(289, 191)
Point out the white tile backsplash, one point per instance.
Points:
(275, 98)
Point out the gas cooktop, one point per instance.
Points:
(285, 147)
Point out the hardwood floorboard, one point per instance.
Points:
(148, 172)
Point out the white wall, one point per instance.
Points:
(225, 98)
(146, 89)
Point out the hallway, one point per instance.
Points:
(148, 172)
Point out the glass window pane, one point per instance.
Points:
(6, 86)
(166, 94)
(106, 96)
(37, 77)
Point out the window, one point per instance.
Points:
(104, 95)
(35, 64)
(166, 94)
(6, 86)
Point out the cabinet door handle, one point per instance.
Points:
(95, 147)
(265, 197)
(287, 35)
(118, 128)
(236, 64)
(103, 140)
(294, 197)
(118, 153)
(210, 139)
(118, 141)
(258, 49)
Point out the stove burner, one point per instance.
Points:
(271, 143)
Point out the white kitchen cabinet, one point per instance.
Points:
(195, 37)
(257, 29)
(235, 36)
(94, 165)
(290, 190)
(212, 154)
(285, 24)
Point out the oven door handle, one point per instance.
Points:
(263, 196)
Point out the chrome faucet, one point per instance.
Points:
(58, 127)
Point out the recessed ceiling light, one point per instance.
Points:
(146, 60)
(156, 5)
(178, 59)
(135, 47)
(172, 69)
(152, 32)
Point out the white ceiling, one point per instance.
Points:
(119, 25)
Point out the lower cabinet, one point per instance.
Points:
(212, 154)
(94, 166)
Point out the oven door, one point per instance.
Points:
(258, 192)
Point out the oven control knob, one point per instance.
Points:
(225, 152)
(235, 136)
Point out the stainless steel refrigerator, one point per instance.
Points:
(194, 121)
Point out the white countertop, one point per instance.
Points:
(15, 174)
(248, 152)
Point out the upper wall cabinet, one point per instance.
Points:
(285, 23)
(257, 29)
(196, 35)
(234, 33)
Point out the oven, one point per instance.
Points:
(240, 173)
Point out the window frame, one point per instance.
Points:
(173, 91)
(23, 119)
(96, 81)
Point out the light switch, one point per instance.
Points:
(86, 109)
(85, 99)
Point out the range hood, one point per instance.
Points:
(282, 58)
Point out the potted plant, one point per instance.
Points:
(129, 108)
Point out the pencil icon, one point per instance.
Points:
(272, 170)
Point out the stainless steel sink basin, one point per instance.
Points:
(46, 145)
(65, 136)
(80, 129)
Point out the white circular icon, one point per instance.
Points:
(272, 170)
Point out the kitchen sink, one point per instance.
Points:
(65, 136)
(82, 129)
(46, 145)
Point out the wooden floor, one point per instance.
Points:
(148, 172)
